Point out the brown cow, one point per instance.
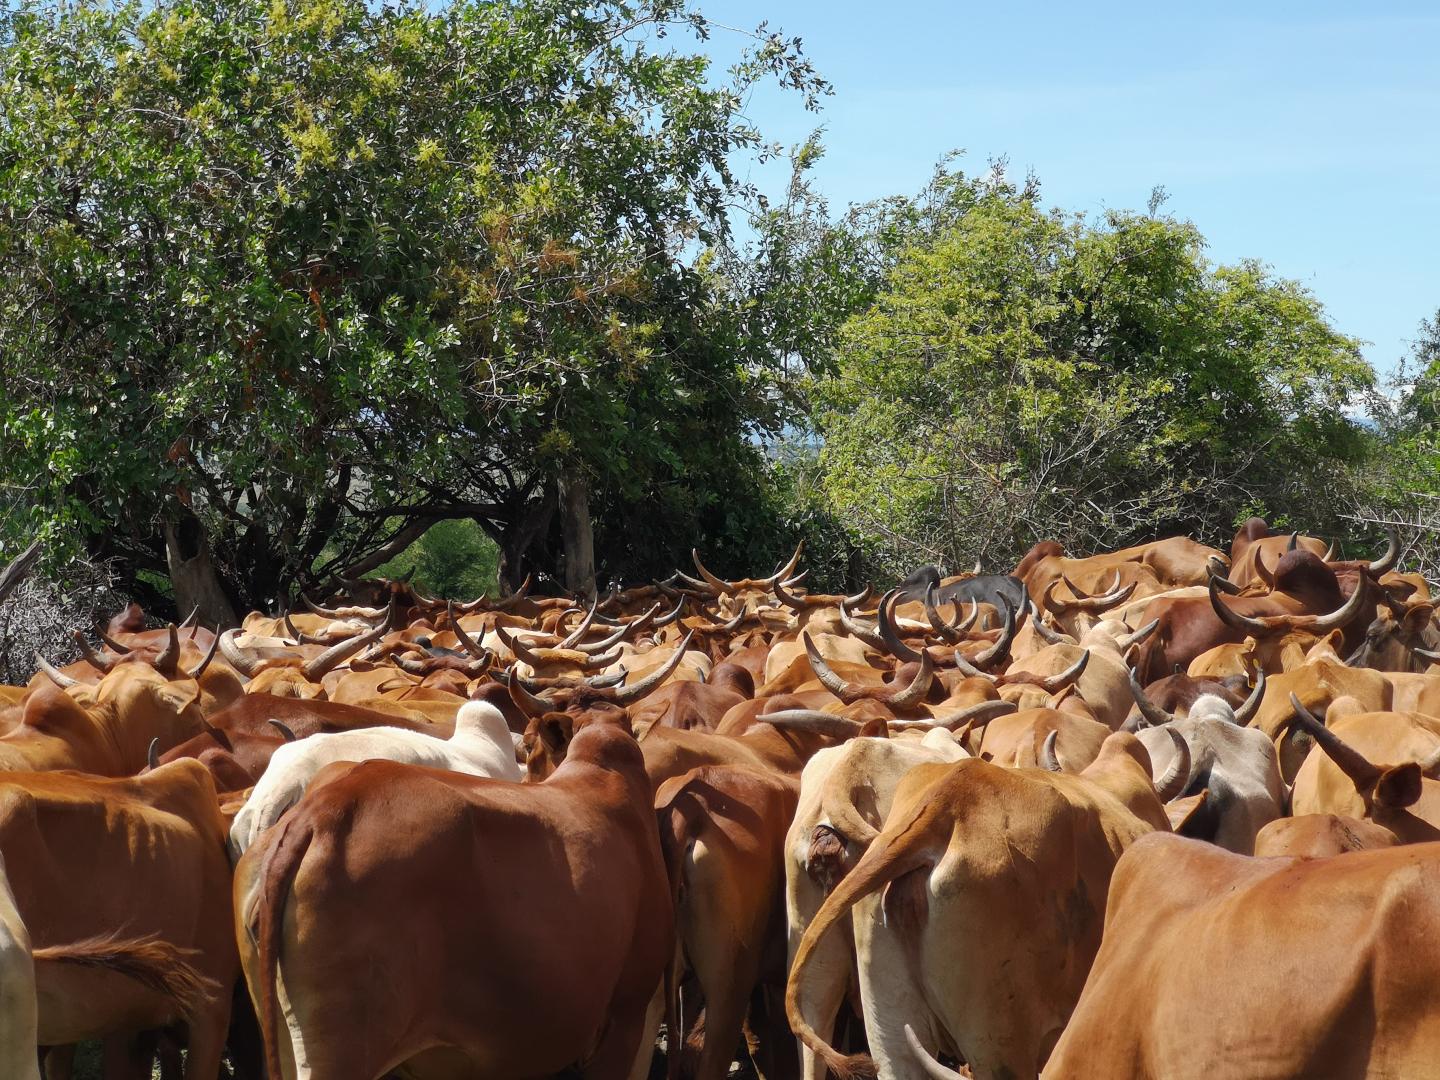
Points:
(158, 933)
(722, 829)
(993, 878)
(1306, 967)
(454, 922)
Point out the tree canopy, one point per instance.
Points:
(1023, 375)
(288, 282)
(291, 285)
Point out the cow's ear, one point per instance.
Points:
(1398, 786)
(555, 731)
(1418, 617)
(875, 729)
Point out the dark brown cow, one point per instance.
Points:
(1307, 596)
(461, 923)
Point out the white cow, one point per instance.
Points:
(481, 746)
(17, 991)
(845, 796)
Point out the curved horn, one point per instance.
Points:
(1351, 762)
(949, 633)
(988, 658)
(591, 663)
(580, 631)
(1049, 636)
(1055, 683)
(855, 628)
(919, 686)
(622, 632)
(828, 679)
(886, 625)
(717, 583)
(285, 732)
(409, 665)
(90, 656)
(1177, 776)
(1251, 705)
(236, 657)
(694, 583)
(979, 714)
(169, 656)
(794, 603)
(1124, 642)
(1428, 654)
(671, 616)
(199, 669)
(1049, 758)
(1329, 555)
(615, 678)
(515, 597)
(727, 627)
(1224, 584)
(1216, 565)
(294, 632)
(860, 597)
(518, 648)
(56, 676)
(110, 643)
(336, 655)
(467, 643)
(784, 572)
(1385, 563)
(625, 695)
(524, 700)
(189, 620)
(1294, 541)
(1233, 618)
(1154, 715)
(821, 723)
(316, 609)
(152, 755)
(1340, 617)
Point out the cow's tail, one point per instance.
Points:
(276, 875)
(894, 854)
(677, 819)
(150, 961)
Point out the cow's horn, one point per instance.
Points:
(236, 657)
(821, 723)
(1386, 562)
(1351, 762)
(919, 686)
(1049, 759)
(199, 669)
(1154, 715)
(1251, 705)
(152, 755)
(626, 695)
(169, 656)
(828, 679)
(1177, 777)
(717, 583)
(56, 676)
(284, 729)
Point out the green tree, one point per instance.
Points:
(1025, 375)
(289, 282)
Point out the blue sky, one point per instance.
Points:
(1305, 135)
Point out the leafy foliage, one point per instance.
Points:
(319, 272)
(1024, 375)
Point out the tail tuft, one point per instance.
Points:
(150, 961)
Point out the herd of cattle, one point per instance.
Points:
(1164, 812)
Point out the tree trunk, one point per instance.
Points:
(577, 535)
(516, 536)
(197, 586)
